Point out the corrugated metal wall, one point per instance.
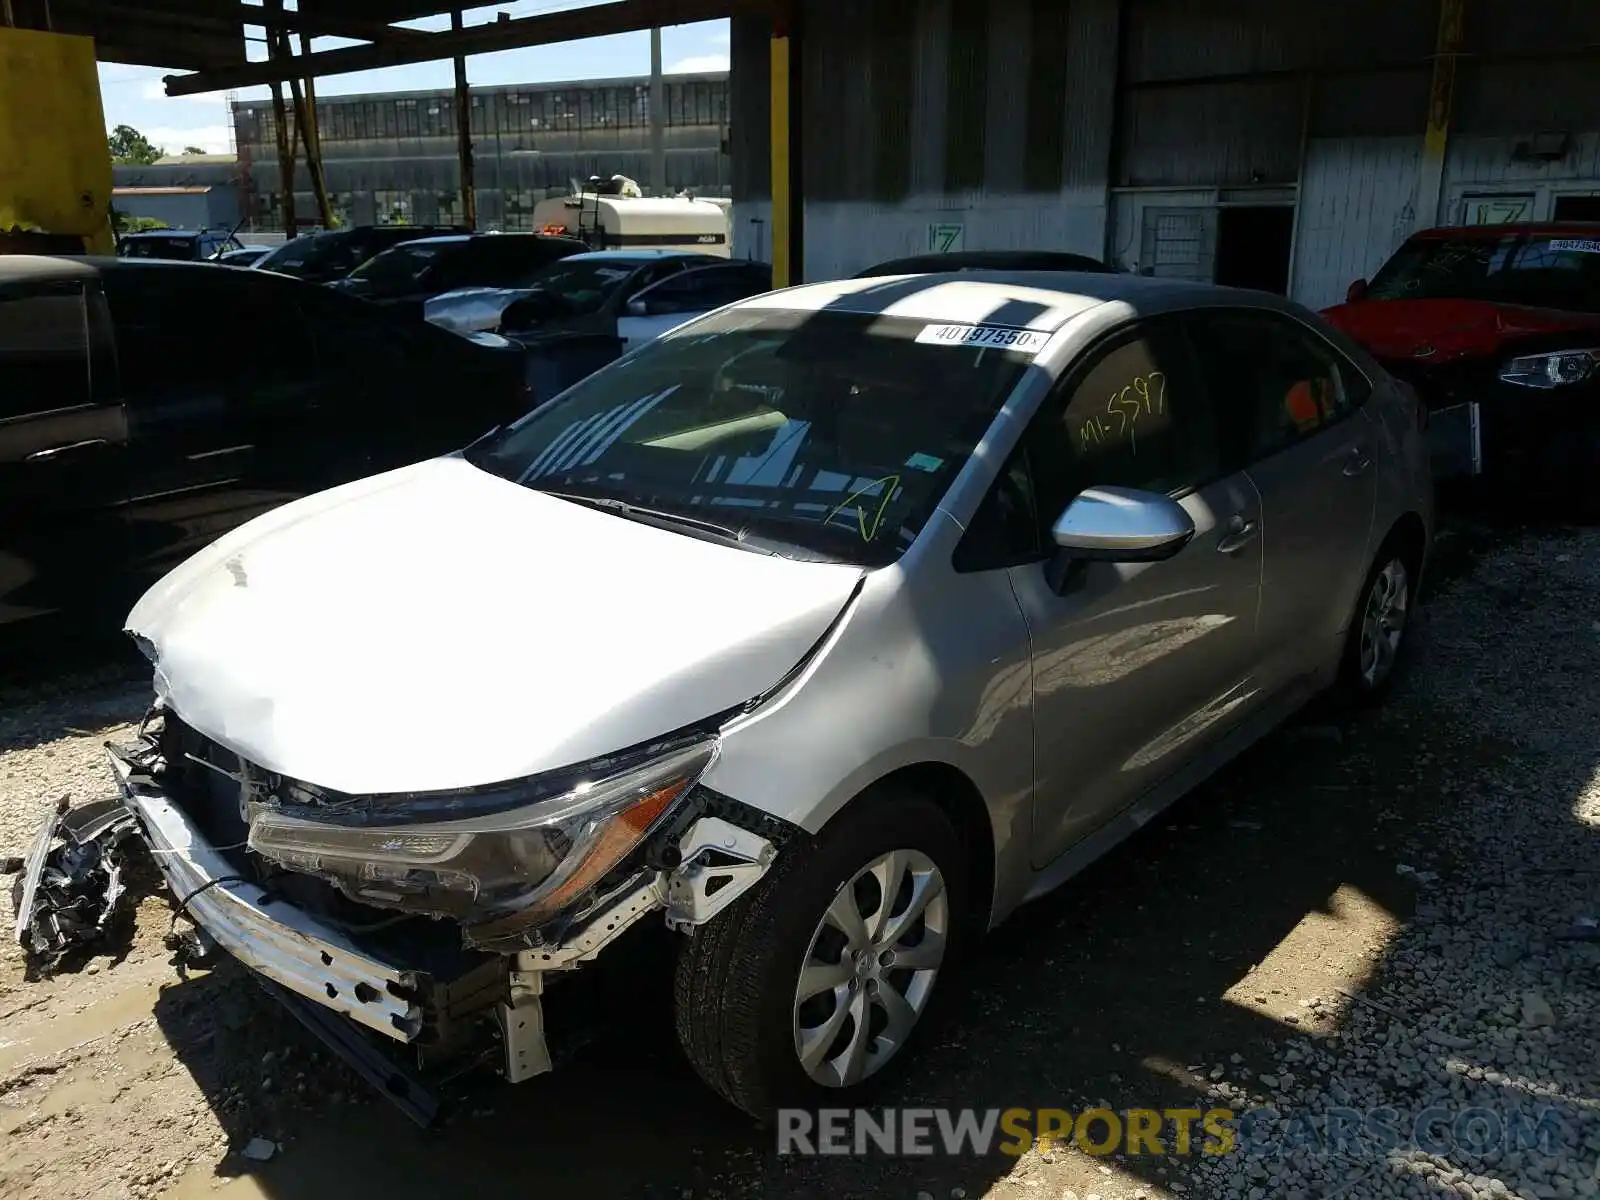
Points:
(1357, 204)
(1037, 122)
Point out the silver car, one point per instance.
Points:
(827, 629)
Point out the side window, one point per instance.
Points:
(44, 351)
(1005, 530)
(1133, 414)
(1273, 381)
(701, 290)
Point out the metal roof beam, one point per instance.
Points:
(570, 25)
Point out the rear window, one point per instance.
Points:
(821, 434)
(160, 247)
(1539, 270)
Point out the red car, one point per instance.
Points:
(1497, 327)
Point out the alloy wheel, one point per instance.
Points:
(1383, 622)
(870, 968)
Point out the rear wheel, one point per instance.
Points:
(810, 990)
(1379, 631)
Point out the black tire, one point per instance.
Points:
(1353, 688)
(736, 976)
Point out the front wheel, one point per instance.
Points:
(810, 989)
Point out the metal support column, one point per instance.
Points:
(658, 119)
(313, 129)
(1441, 97)
(469, 185)
(280, 123)
(304, 121)
(788, 205)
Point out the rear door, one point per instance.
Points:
(1293, 417)
(219, 379)
(682, 297)
(63, 439)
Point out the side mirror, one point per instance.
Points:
(638, 308)
(1116, 524)
(1357, 291)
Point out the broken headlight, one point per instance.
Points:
(500, 872)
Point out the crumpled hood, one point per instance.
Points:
(438, 627)
(1438, 331)
(471, 308)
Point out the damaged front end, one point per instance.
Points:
(71, 883)
(438, 919)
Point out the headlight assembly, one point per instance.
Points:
(1555, 369)
(499, 873)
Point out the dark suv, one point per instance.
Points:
(147, 407)
(182, 245)
(332, 254)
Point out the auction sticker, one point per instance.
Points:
(1575, 245)
(1028, 341)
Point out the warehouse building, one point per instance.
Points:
(1243, 141)
(392, 158)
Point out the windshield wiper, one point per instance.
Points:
(656, 516)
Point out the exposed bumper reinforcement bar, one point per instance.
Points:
(288, 946)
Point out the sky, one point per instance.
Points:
(135, 95)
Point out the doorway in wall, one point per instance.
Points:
(1253, 246)
(1576, 208)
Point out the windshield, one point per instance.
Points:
(577, 289)
(827, 435)
(401, 268)
(160, 247)
(315, 253)
(1539, 270)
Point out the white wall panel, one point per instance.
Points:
(1357, 204)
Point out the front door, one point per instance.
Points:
(1290, 406)
(1137, 667)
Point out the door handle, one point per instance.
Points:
(49, 453)
(1358, 463)
(1241, 532)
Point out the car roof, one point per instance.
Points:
(1043, 300)
(638, 256)
(31, 268)
(165, 233)
(986, 260)
(1538, 228)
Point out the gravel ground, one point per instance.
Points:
(1361, 914)
(1482, 1002)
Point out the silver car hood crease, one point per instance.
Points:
(437, 627)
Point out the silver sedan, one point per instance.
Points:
(830, 627)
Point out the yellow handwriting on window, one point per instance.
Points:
(868, 525)
(1143, 396)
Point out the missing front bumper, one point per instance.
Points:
(288, 946)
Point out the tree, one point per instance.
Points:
(128, 145)
(194, 150)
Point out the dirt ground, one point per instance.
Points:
(1247, 919)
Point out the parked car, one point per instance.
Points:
(183, 245)
(405, 277)
(988, 260)
(1498, 329)
(130, 436)
(249, 256)
(331, 254)
(830, 627)
(584, 311)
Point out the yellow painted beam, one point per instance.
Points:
(1441, 99)
(55, 169)
(783, 271)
